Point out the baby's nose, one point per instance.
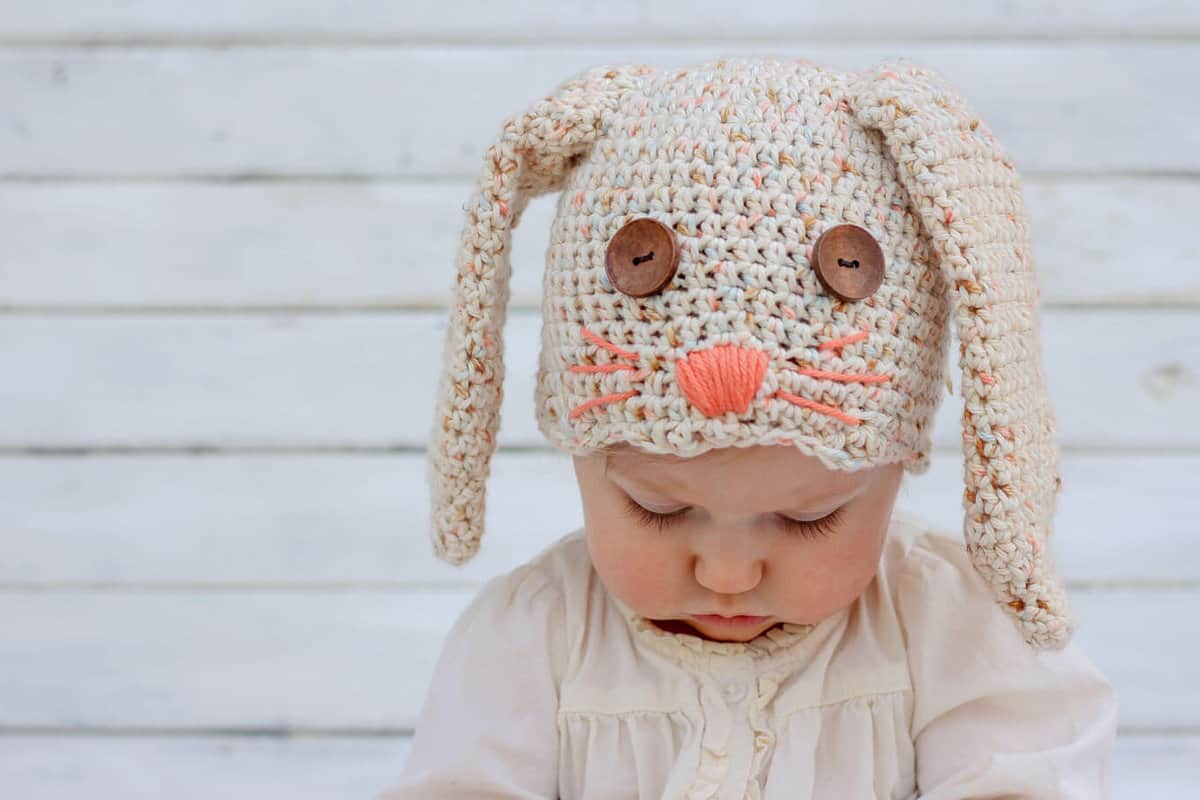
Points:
(721, 574)
(722, 378)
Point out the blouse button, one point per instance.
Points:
(733, 692)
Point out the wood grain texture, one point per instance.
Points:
(345, 520)
(361, 659)
(151, 767)
(1062, 107)
(1119, 379)
(392, 244)
(334, 768)
(540, 20)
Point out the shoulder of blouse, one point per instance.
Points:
(912, 543)
(537, 593)
(561, 572)
(937, 589)
(563, 564)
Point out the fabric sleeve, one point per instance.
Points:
(488, 727)
(992, 717)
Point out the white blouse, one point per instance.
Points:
(547, 686)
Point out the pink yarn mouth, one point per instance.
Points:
(722, 378)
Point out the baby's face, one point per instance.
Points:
(730, 550)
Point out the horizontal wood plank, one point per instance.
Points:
(326, 768)
(337, 111)
(200, 767)
(393, 243)
(359, 659)
(1155, 768)
(541, 20)
(254, 660)
(348, 520)
(1118, 378)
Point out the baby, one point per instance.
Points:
(745, 326)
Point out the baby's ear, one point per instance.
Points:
(532, 155)
(967, 194)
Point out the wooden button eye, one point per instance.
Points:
(848, 261)
(642, 257)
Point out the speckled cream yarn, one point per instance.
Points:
(748, 161)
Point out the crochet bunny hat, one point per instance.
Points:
(691, 300)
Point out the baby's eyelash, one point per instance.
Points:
(816, 528)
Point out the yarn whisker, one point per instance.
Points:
(842, 377)
(600, 341)
(804, 402)
(600, 401)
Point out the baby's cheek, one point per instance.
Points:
(637, 571)
(822, 586)
(804, 596)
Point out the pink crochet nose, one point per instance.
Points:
(722, 378)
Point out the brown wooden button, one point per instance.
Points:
(642, 257)
(848, 261)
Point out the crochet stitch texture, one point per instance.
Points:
(748, 161)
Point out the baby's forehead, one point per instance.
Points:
(770, 482)
(776, 463)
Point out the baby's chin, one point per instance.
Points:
(705, 632)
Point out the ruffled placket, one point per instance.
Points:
(766, 686)
(735, 678)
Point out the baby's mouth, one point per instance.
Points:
(737, 621)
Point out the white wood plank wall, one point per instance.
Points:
(226, 245)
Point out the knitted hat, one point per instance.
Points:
(727, 175)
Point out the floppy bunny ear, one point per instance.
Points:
(967, 193)
(532, 155)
